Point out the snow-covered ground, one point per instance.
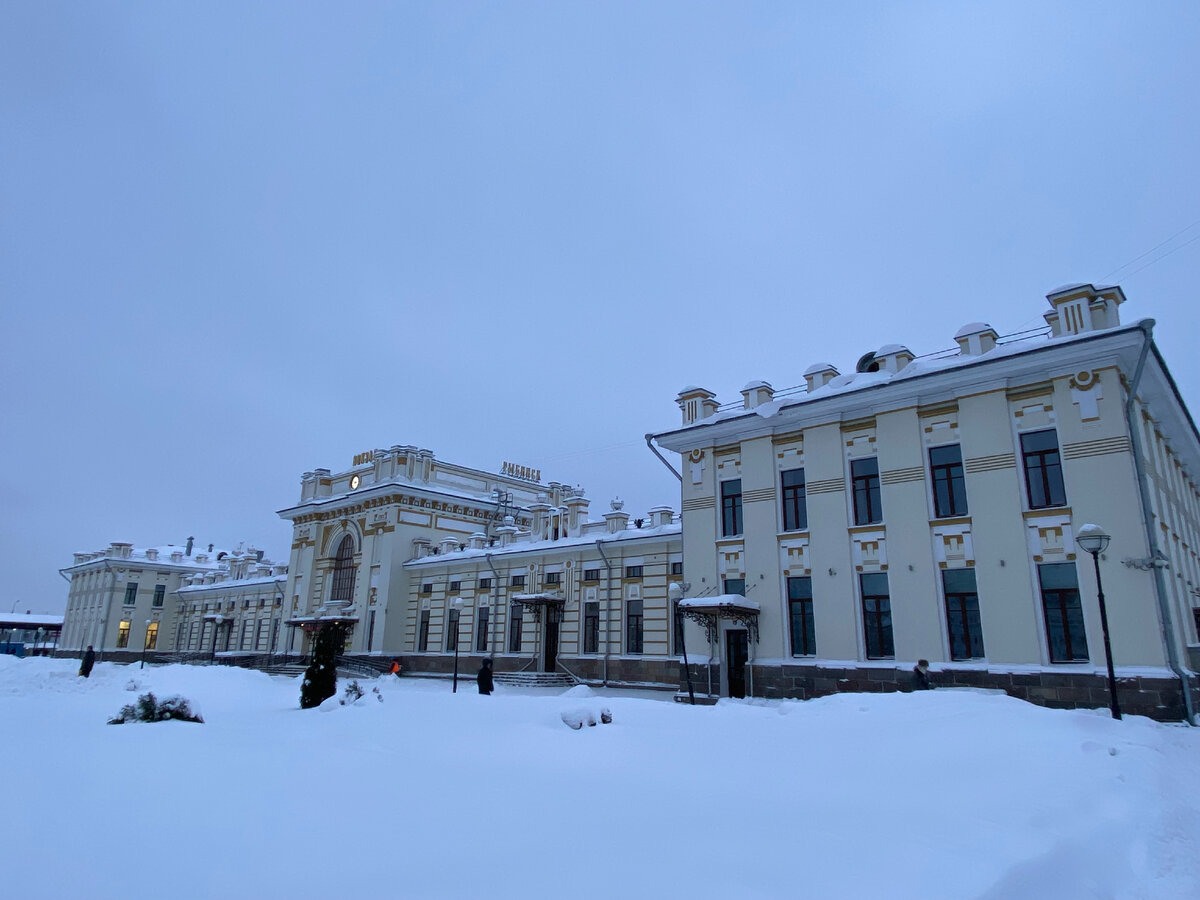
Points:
(944, 794)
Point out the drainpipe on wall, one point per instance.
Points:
(607, 608)
(495, 618)
(1160, 587)
(654, 450)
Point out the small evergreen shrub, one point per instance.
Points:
(320, 678)
(150, 709)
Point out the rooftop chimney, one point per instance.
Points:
(188, 551)
(975, 338)
(696, 403)
(756, 393)
(819, 375)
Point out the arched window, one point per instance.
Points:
(343, 573)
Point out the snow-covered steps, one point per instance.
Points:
(534, 679)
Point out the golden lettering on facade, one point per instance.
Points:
(365, 457)
(525, 473)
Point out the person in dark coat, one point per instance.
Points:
(484, 678)
(89, 660)
(921, 676)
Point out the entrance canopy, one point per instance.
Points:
(536, 601)
(709, 611)
(542, 598)
(316, 623)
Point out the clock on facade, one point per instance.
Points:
(354, 482)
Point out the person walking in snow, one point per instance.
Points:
(921, 676)
(484, 678)
(89, 660)
(395, 669)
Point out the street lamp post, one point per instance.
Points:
(145, 645)
(1094, 540)
(457, 603)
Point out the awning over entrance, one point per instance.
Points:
(709, 611)
(316, 623)
(543, 598)
(536, 601)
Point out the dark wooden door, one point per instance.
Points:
(737, 651)
(553, 617)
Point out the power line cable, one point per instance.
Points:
(1152, 249)
(1164, 256)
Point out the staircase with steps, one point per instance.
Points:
(534, 679)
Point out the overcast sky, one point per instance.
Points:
(241, 241)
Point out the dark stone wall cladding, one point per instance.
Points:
(1156, 698)
(620, 671)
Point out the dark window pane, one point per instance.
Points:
(1043, 469)
(633, 626)
(515, 623)
(1064, 613)
(877, 615)
(731, 507)
(735, 586)
(795, 506)
(949, 485)
(423, 632)
(864, 475)
(481, 630)
(591, 627)
(804, 638)
(962, 614)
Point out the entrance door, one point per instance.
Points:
(737, 651)
(553, 617)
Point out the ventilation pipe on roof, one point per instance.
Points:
(188, 551)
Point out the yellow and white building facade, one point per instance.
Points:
(926, 508)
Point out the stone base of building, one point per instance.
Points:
(1153, 697)
(622, 671)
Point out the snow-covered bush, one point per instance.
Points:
(150, 709)
(320, 678)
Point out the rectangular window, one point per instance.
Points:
(455, 587)
(877, 615)
(591, 574)
(123, 634)
(735, 586)
(633, 626)
(678, 627)
(427, 587)
(800, 604)
(423, 632)
(452, 631)
(485, 584)
(676, 568)
(633, 571)
(591, 627)
(515, 623)
(554, 578)
(731, 507)
(864, 476)
(1064, 612)
(962, 614)
(949, 486)
(152, 636)
(260, 641)
(517, 581)
(795, 504)
(131, 593)
(160, 594)
(481, 630)
(1043, 469)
